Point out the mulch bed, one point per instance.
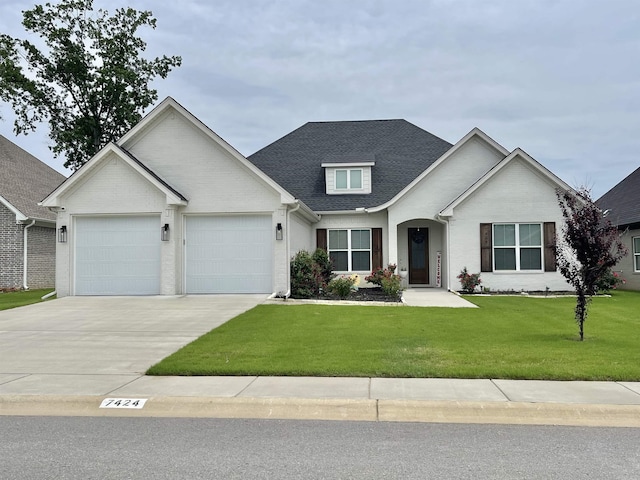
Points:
(364, 295)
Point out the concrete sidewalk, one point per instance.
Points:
(321, 398)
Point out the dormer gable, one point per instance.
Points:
(348, 174)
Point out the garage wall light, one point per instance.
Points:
(164, 232)
(62, 234)
(279, 231)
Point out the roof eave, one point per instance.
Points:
(475, 132)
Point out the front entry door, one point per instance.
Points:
(418, 255)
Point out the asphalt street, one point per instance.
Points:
(139, 448)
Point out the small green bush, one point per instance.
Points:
(342, 286)
(391, 285)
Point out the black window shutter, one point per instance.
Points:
(376, 248)
(486, 253)
(549, 246)
(321, 238)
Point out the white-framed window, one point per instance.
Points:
(636, 254)
(517, 246)
(348, 179)
(350, 249)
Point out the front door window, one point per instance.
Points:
(418, 255)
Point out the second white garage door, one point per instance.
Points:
(229, 254)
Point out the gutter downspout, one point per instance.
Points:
(25, 248)
(289, 212)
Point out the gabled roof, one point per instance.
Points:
(623, 201)
(173, 196)
(475, 133)
(400, 150)
(170, 103)
(24, 181)
(517, 153)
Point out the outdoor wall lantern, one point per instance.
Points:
(164, 233)
(62, 234)
(279, 231)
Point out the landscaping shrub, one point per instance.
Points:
(469, 281)
(610, 280)
(342, 286)
(387, 279)
(310, 273)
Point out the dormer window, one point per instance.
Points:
(345, 176)
(349, 179)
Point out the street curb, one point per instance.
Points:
(517, 413)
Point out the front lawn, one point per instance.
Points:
(22, 298)
(507, 337)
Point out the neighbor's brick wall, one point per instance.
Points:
(11, 251)
(41, 257)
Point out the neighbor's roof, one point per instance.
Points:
(25, 180)
(400, 150)
(623, 201)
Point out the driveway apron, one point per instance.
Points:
(107, 335)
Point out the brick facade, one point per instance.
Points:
(11, 251)
(40, 255)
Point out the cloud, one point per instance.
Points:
(557, 78)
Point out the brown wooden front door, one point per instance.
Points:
(418, 255)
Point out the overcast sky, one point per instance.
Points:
(560, 79)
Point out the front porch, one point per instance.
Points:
(420, 251)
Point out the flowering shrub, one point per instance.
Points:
(469, 281)
(610, 280)
(310, 273)
(342, 286)
(387, 279)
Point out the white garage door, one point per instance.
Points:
(229, 254)
(117, 255)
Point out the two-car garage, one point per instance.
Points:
(122, 255)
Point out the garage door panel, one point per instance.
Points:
(117, 255)
(229, 254)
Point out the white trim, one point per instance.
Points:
(347, 164)
(350, 249)
(20, 217)
(517, 247)
(635, 254)
(53, 199)
(169, 102)
(517, 153)
(475, 133)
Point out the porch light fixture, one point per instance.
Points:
(164, 232)
(279, 231)
(62, 234)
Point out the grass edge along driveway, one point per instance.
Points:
(507, 337)
(20, 299)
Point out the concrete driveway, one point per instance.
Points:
(105, 339)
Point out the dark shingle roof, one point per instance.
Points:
(623, 201)
(401, 152)
(25, 180)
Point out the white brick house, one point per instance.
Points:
(171, 208)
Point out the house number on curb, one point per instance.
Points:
(123, 403)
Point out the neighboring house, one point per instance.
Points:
(623, 205)
(27, 230)
(171, 208)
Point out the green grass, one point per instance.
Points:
(507, 337)
(20, 299)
